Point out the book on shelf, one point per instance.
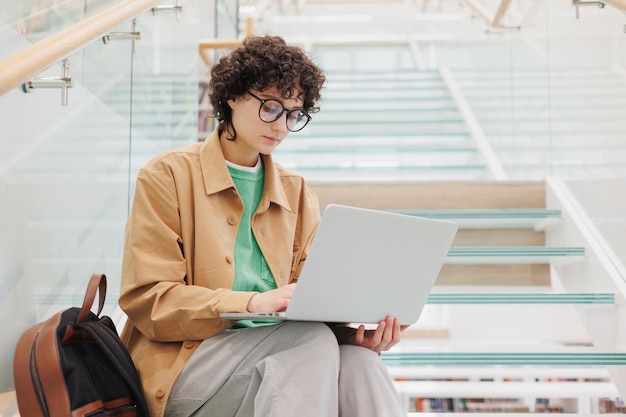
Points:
(457, 405)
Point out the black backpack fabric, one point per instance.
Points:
(75, 365)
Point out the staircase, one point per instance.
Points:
(515, 326)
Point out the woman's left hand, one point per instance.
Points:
(386, 335)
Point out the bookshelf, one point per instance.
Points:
(507, 389)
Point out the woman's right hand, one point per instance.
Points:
(271, 301)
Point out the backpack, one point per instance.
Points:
(74, 364)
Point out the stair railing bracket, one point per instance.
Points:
(176, 8)
(133, 35)
(64, 83)
(578, 3)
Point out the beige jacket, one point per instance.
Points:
(178, 263)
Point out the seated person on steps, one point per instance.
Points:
(218, 226)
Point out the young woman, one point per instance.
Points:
(217, 227)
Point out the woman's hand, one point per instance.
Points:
(386, 335)
(271, 301)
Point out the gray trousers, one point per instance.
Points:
(292, 369)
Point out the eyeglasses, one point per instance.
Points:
(271, 110)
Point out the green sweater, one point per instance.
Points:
(251, 270)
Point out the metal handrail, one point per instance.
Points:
(24, 65)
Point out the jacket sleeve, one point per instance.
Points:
(154, 291)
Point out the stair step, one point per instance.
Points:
(510, 254)
(491, 218)
(526, 298)
(505, 358)
(428, 195)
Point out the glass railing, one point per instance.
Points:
(36, 20)
(529, 127)
(606, 213)
(227, 22)
(67, 172)
(547, 94)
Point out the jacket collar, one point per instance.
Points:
(217, 178)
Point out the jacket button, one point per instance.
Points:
(231, 220)
(188, 345)
(160, 393)
(229, 259)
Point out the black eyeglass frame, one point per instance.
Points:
(279, 115)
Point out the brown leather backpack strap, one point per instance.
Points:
(48, 363)
(97, 283)
(27, 398)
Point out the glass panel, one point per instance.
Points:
(227, 19)
(66, 172)
(36, 19)
(63, 192)
(230, 18)
(548, 95)
(587, 90)
(165, 85)
(604, 203)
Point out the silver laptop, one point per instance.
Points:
(364, 265)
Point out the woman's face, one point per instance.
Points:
(255, 136)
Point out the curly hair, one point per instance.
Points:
(262, 62)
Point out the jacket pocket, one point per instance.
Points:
(266, 273)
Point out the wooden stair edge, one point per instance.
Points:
(389, 195)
